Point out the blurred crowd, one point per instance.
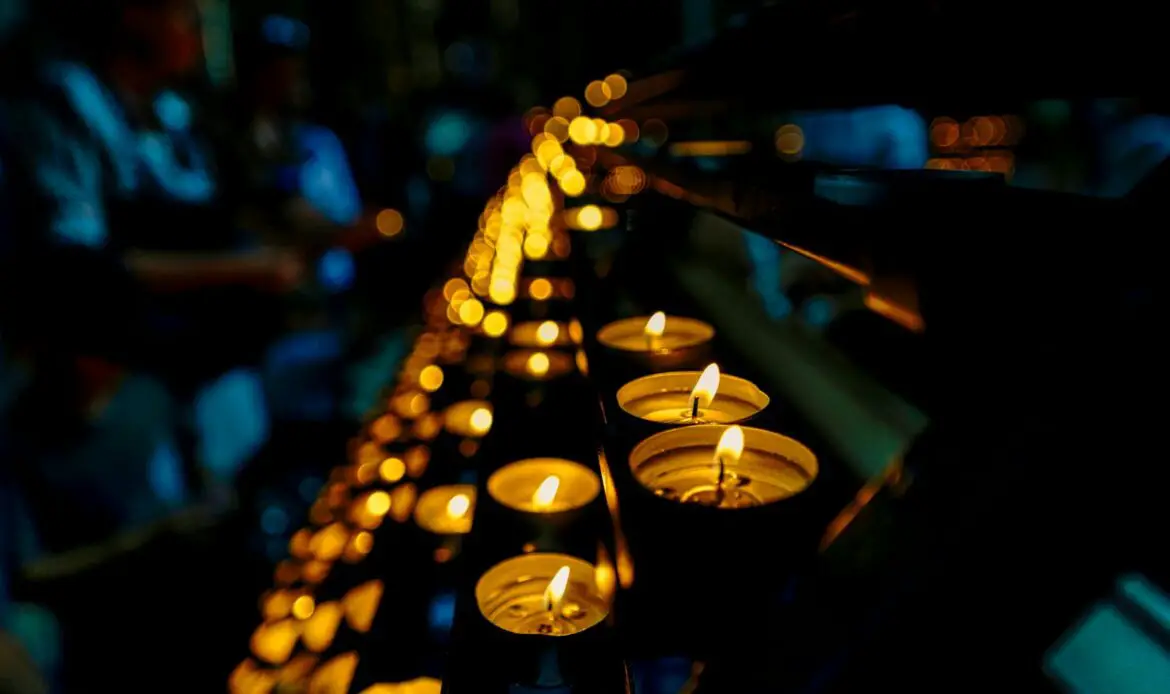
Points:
(174, 259)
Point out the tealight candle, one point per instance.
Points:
(446, 510)
(542, 334)
(469, 418)
(723, 467)
(543, 594)
(663, 340)
(687, 397)
(544, 485)
(537, 365)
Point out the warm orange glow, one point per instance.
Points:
(625, 560)
(656, 326)
(615, 135)
(329, 542)
(392, 469)
(378, 503)
(322, 627)
(537, 364)
(386, 428)
(248, 678)
(554, 595)
(899, 314)
(547, 333)
(458, 506)
(598, 93)
(361, 604)
(481, 420)
(589, 218)
(471, 312)
(389, 223)
(277, 605)
(540, 289)
(422, 685)
(302, 607)
(298, 545)
(582, 130)
(567, 107)
(604, 575)
(710, 148)
(617, 86)
(274, 643)
(558, 127)
(546, 493)
(572, 183)
(495, 324)
(706, 387)
(335, 676)
(431, 377)
(536, 246)
(730, 446)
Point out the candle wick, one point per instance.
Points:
(694, 408)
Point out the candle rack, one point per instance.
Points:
(753, 568)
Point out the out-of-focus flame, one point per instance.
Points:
(656, 325)
(555, 593)
(547, 333)
(730, 446)
(458, 506)
(538, 364)
(481, 420)
(706, 387)
(546, 492)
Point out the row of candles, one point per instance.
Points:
(698, 448)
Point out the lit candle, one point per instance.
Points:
(663, 341)
(687, 397)
(470, 418)
(544, 485)
(446, 510)
(654, 329)
(723, 467)
(537, 365)
(542, 594)
(539, 334)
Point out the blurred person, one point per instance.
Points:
(291, 178)
(112, 165)
(119, 262)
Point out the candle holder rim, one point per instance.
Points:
(634, 326)
(436, 492)
(585, 473)
(653, 445)
(760, 399)
(503, 574)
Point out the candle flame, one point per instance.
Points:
(555, 593)
(546, 492)
(656, 325)
(707, 385)
(547, 333)
(458, 506)
(730, 446)
(481, 420)
(538, 364)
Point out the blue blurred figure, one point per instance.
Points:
(294, 182)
